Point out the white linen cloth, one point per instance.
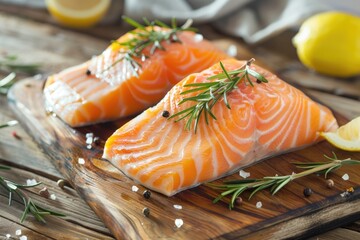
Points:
(253, 20)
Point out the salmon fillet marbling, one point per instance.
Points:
(264, 120)
(109, 87)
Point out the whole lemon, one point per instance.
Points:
(79, 13)
(329, 43)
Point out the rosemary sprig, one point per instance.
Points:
(9, 63)
(9, 124)
(2, 167)
(7, 82)
(236, 187)
(30, 206)
(212, 92)
(147, 36)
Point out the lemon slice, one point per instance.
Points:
(78, 13)
(347, 137)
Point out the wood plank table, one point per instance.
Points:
(34, 37)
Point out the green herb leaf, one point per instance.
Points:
(30, 206)
(9, 124)
(222, 84)
(146, 36)
(276, 183)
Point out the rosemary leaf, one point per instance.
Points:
(9, 124)
(218, 87)
(2, 167)
(257, 75)
(133, 22)
(30, 206)
(276, 183)
(8, 79)
(280, 184)
(146, 36)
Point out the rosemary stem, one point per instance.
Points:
(275, 183)
(9, 124)
(316, 169)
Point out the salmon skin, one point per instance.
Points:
(264, 120)
(109, 87)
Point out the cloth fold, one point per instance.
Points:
(253, 20)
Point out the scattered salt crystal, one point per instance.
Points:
(89, 140)
(89, 146)
(232, 50)
(198, 37)
(344, 194)
(23, 237)
(179, 222)
(244, 174)
(345, 177)
(89, 135)
(18, 232)
(176, 206)
(53, 196)
(81, 161)
(134, 188)
(8, 236)
(259, 204)
(31, 182)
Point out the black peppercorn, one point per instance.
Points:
(88, 72)
(147, 194)
(258, 81)
(307, 192)
(146, 211)
(96, 140)
(238, 200)
(165, 114)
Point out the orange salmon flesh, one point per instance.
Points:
(112, 89)
(265, 120)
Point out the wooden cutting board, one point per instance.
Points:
(109, 193)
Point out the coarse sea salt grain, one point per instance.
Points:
(18, 232)
(259, 204)
(81, 161)
(89, 140)
(88, 135)
(134, 188)
(179, 222)
(176, 206)
(232, 50)
(31, 182)
(346, 177)
(23, 237)
(53, 196)
(198, 37)
(8, 236)
(244, 174)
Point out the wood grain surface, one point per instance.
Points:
(109, 193)
(34, 37)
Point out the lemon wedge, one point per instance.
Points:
(78, 13)
(347, 137)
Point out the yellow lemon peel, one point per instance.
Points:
(329, 44)
(347, 137)
(79, 13)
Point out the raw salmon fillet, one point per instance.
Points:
(107, 88)
(264, 120)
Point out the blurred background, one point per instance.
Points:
(296, 38)
(252, 20)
